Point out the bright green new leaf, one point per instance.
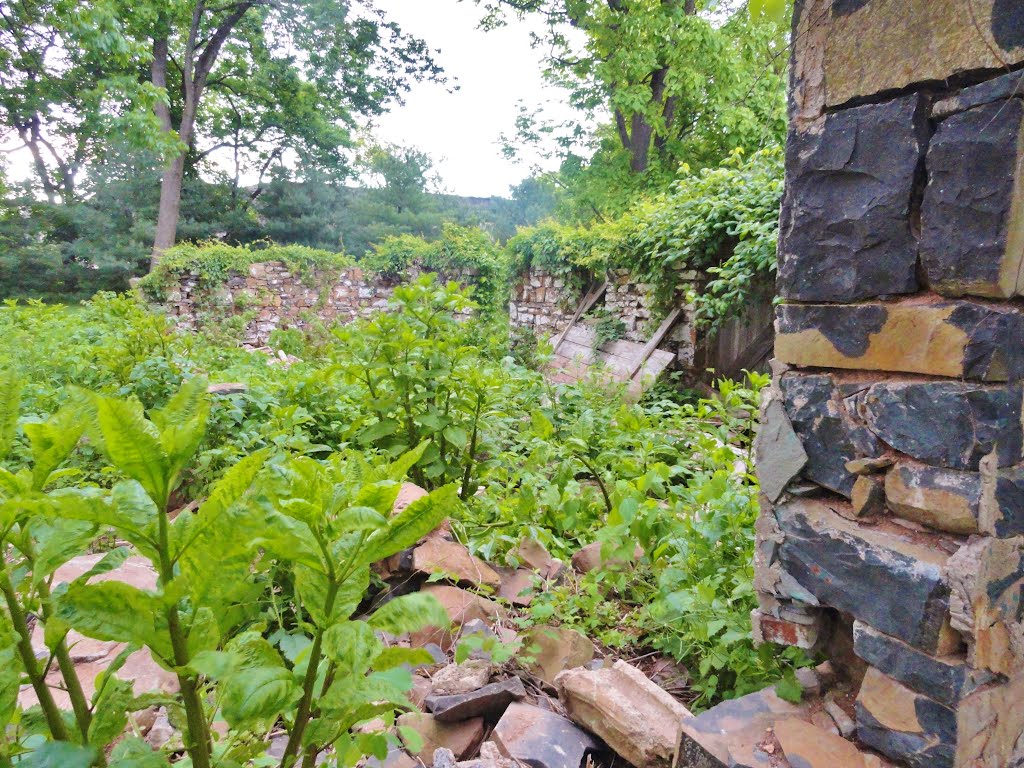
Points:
(257, 695)
(397, 656)
(133, 445)
(182, 423)
(10, 671)
(110, 711)
(380, 496)
(10, 404)
(112, 610)
(52, 441)
(410, 613)
(413, 523)
(352, 645)
(399, 468)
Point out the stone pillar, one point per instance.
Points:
(891, 451)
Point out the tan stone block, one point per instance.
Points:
(945, 499)
(990, 726)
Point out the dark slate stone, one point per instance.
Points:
(994, 350)
(1008, 24)
(848, 328)
(996, 89)
(966, 214)
(945, 680)
(845, 230)
(490, 701)
(917, 750)
(1010, 502)
(878, 579)
(542, 739)
(829, 435)
(945, 423)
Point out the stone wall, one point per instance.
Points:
(891, 450)
(273, 297)
(542, 302)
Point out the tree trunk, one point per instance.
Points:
(170, 206)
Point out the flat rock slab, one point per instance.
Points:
(456, 679)
(541, 739)
(778, 453)
(555, 649)
(463, 738)
(729, 734)
(462, 607)
(634, 717)
(891, 582)
(489, 701)
(438, 556)
(904, 725)
(959, 339)
(807, 746)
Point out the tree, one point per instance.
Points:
(679, 81)
(67, 81)
(338, 59)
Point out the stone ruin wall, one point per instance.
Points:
(543, 303)
(277, 298)
(891, 451)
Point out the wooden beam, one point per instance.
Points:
(656, 339)
(588, 301)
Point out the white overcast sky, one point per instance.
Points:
(495, 71)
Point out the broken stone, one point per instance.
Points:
(823, 721)
(874, 46)
(990, 724)
(945, 679)
(945, 499)
(227, 388)
(845, 227)
(517, 587)
(886, 580)
(461, 678)
(489, 701)
(996, 89)
(542, 739)
(829, 435)
(730, 734)
(536, 557)
(869, 466)
(947, 424)
(461, 607)
(986, 579)
(462, 738)
(844, 723)
(437, 556)
(778, 453)
(904, 725)
(772, 629)
(809, 747)
(407, 494)
(632, 715)
(589, 558)
(556, 649)
(868, 497)
(972, 213)
(957, 339)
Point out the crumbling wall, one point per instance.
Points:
(271, 296)
(542, 302)
(891, 450)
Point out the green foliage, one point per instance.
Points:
(459, 251)
(721, 222)
(213, 263)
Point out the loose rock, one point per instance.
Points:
(462, 738)
(557, 649)
(542, 739)
(488, 701)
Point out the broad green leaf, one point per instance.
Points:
(397, 656)
(361, 519)
(182, 423)
(380, 496)
(399, 468)
(413, 523)
(257, 695)
(110, 712)
(354, 698)
(204, 634)
(10, 404)
(133, 445)
(110, 561)
(129, 510)
(542, 426)
(352, 645)
(410, 613)
(56, 542)
(311, 586)
(133, 752)
(217, 665)
(457, 436)
(10, 671)
(10, 486)
(112, 610)
(59, 754)
(52, 441)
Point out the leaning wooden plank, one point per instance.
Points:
(589, 300)
(656, 339)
